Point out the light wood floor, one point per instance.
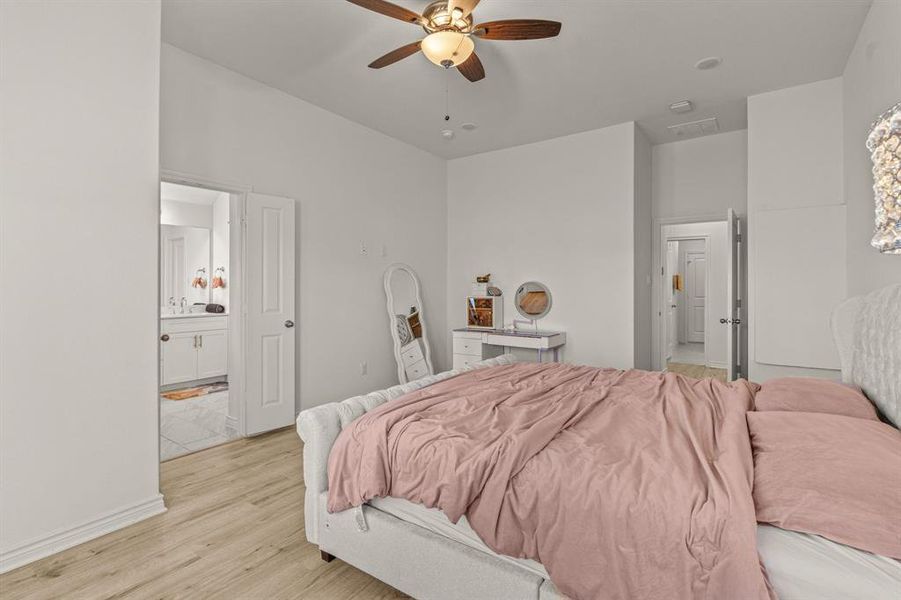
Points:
(234, 530)
(699, 371)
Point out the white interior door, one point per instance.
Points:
(733, 297)
(696, 294)
(270, 319)
(672, 262)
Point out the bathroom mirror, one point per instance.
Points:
(184, 267)
(407, 323)
(533, 300)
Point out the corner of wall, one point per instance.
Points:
(643, 225)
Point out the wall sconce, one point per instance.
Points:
(884, 144)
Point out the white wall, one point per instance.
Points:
(560, 212)
(352, 185)
(871, 84)
(701, 177)
(80, 196)
(642, 244)
(186, 214)
(796, 275)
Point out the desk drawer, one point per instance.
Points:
(465, 360)
(468, 346)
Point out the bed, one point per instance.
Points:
(420, 552)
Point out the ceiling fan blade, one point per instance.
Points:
(395, 55)
(517, 29)
(390, 10)
(467, 6)
(472, 68)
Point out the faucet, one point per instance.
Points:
(184, 303)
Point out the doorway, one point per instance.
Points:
(227, 332)
(197, 407)
(686, 325)
(692, 299)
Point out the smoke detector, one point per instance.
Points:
(447, 134)
(711, 62)
(681, 107)
(695, 128)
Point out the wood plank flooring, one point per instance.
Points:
(699, 371)
(234, 530)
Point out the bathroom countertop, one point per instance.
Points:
(193, 315)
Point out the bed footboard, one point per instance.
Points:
(318, 427)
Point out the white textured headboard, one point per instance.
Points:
(867, 332)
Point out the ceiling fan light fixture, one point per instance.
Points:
(447, 48)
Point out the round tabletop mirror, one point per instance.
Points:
(533, 300)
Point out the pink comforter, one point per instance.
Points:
(623, 484)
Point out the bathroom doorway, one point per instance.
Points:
(198, 404)
(228, 339)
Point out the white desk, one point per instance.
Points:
(473, 345)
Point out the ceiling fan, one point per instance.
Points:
(450, 28)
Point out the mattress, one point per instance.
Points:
(800, 566)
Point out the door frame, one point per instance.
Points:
(237, 308)
(658, 257)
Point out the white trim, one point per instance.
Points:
(67, 538)
(237, 300)
(192, 180)
(232, 423)
(717, 365)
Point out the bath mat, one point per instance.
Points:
(202, 390)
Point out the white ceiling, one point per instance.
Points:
(614, 61)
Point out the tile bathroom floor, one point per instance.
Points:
(193, 424)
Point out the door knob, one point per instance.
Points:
(289, 324)
(724, 321)
(164, 337)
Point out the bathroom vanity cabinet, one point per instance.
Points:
(193, 347)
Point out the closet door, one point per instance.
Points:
(179, 357)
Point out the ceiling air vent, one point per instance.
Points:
(695, 128)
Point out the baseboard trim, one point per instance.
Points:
(717, 365)
(62, 540)
(231, 423)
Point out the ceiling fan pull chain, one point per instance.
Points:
(447, 95)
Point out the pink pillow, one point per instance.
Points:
(807, 394)
(838, 477)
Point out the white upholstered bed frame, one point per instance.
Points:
(426, 565)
